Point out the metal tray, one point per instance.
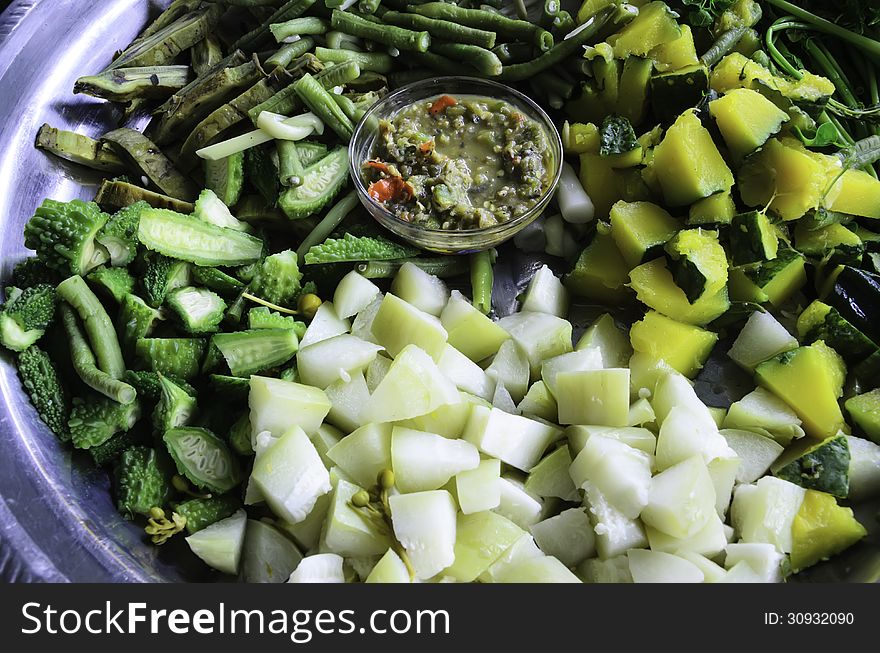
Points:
(57, 519)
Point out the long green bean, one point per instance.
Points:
(519, 30)
(321, 103)
(396, 37)
(484, 61)
(328, 224)
(378, 62)
(348, 107)
(722, 45)
(298, 27)
(442, 29)
(439, 266)
(482, 279)
(337, 40)
(290, 167)
(290, 51)
(83, 361)
(288, 11)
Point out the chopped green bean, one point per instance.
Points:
(287, 11)
(375, 61)
(290, 167)
(290, 51)
(518, 30)
(328, 224)
(298, 27)
(319, 101)
(397, 37)
(337, 40)
(483, 61)
(440, 266)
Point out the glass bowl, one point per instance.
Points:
(447, 241)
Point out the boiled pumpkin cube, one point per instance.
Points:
(746, 119)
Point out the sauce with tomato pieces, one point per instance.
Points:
(462, 162)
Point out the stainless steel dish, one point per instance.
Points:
(57, 519)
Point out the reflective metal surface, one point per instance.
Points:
(57, 519)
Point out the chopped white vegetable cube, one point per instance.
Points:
(761, 337)
(480, 539)
(325, 324)
(425, 525)
(517, 505)
(465, 374)
(683, 435)
(399, 324)
(567, 536)
(612, 570)
(682, 499)
(765, 512)
(550, 477)
(319, 568)
(546, 294)
(347, 402)
(522, 549)
(330, 360)
(593, 397)
(362, 325)
(513, 439)
(546, 569)
(471, 332)
(276, 405)
(346, 530)
(636, 437)
(510, 367)
(576, 361)
(424, 291)
(708, 541)
(389, 569)
(756, 453)
(763, 558)
(479, 489)
(353, 294)
(656, 567)
(364, 453)
(620, 472)
(220, 544)
(615, 532)
(426, 461)
(540, 335)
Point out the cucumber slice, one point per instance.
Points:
(478, 489)
(413, 375)
(763, 558)
(426, 461)
(319, 568)
(604, 334)
(353, 294)
(425, 525)
(864, 468)
(421, 289)
(756, 453)
(347, 401)
(291, 476)
(523, 549)
(480, 539)
(681, 499)
(321, 182)
(576, 361)
(613, 570)
(822, 466)
(349, 531)
(330, 360)
(638, 438)
(277, 405)
(364, 454)
(465, 374)
(398, 324)
(546, 294)
(762, 337)
(550, 477)
(448, 420)
(540, 335)
(708, 541)
(763, 412)
(510, 368)
(546, 569)
(593, 397)
(615, 533)
(471, 332)
(186, 238)
(765, 512)
(389, 569)
(325, 325)
(683, 436)
(538, 402)
(515, 440)
(268, 556)
(220, 544)
(520, 507)
(568, 536)
(203, 458)
(307, 533)
(621, 473)
(658, 567)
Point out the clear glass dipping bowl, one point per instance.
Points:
(442, 240)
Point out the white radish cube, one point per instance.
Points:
(761, 337)
(425, 525)
(515, 440)
(575, 361)
(319, 568)
(636, 437)
(326, 324)
(448, 420)
(546, 294)
(640, 412)
(550, 477)
(541, 336)
(708, 541)
(277, 405)
(593, 397)
(389, 569)
(683, 435)
(763, 558)
(517, 505)
(364, 453)
(330, 360)
(348, 531)
(675, 391)
(756, 453)
(399, 324)
(480, 539)
(424, 291)
(479, 489)
(539, 402)
(603, 334)
(353, 294)
(615, 532)
(324, 439)
(567, 536)
(510, 367)
(502, 400)
(465, 374)
(656, 567)
(347, 402)
(291, 476)
(620, 472)
(471, 332)
(682, 499)
(426, 461)
(538, 570)
(220, 545)
(413, 386)
(765, 512)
